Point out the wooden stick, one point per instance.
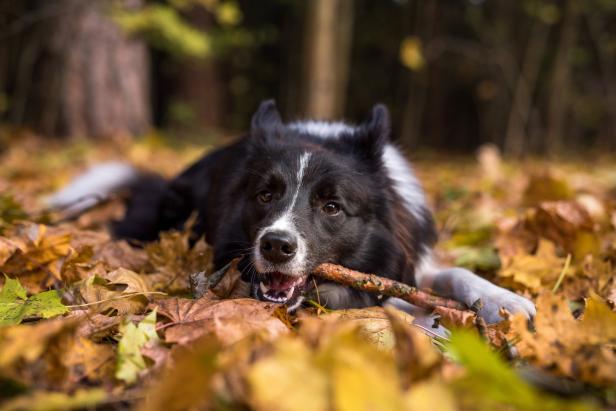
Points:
(374, 284)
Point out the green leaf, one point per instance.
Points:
(46, 304)
(477, 258)
(15, 305)
(134, 337)
(490, 383)
(12, 290)
(164, 27)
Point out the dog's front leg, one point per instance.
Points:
(467, 287)
(337, 297)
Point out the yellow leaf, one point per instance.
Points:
(430, 396)
(533, 271)
(579, 349)
(294, 362)
(411, 54)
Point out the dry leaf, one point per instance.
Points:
(228, 320)
(580, 349)
(120, 291)
(533, 271)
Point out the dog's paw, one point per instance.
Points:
(494, 300)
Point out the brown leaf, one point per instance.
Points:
(121, 291)
(173, 260)
(228, 320)
(231, 285)
(7, 249)
(95, 326)
(581, 349)
(533, 271)
(28, 342)
(118, 254)
(452, 318)
(85, 359)
(545, 186)
(186, 385)
(39, 250)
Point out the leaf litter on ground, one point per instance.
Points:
(87, 321)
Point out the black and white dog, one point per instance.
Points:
(288, 197)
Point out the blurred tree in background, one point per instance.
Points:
(532, 76)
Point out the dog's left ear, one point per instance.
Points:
(375, 131)
(266, 119)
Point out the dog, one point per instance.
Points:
(287, 197)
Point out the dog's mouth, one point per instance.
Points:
(280, 288)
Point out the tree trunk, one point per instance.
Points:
(327, 42)
(198, 83)
(522, 104)
(78, 75)
(559, 87)
(423, 15)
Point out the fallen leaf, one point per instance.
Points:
(134, 337)
(574, 348)
(28, 342)
(85, 359)
(545, 186)
(430, 396)
(15, 306)
(228, 320)
(452, 318)
(506, 387)
(532, 271)
(173, 259)
(120, 291)
(120, 254)
(39, 250)
(186, 385)
(7, 249)
(52, 401)
(415, 355)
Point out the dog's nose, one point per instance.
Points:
(278, 246)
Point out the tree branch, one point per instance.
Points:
(374, 284)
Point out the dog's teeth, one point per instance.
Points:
(264, 288)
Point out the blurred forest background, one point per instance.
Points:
(532, 76)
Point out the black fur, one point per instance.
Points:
(372, 233)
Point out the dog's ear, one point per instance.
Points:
(266, 119)
(374, 132)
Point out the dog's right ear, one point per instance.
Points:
(266, 120)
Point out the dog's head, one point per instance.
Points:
(311, 198)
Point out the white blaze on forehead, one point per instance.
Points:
(322, 129)
(286, 223)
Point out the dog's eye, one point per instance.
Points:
(331, 208)
(265, 196)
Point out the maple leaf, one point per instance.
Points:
(172, 259)
(15, 305)
(574, 348)
(228, 320)
(532, 271)
(134, 337)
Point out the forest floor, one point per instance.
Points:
(89, 322)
